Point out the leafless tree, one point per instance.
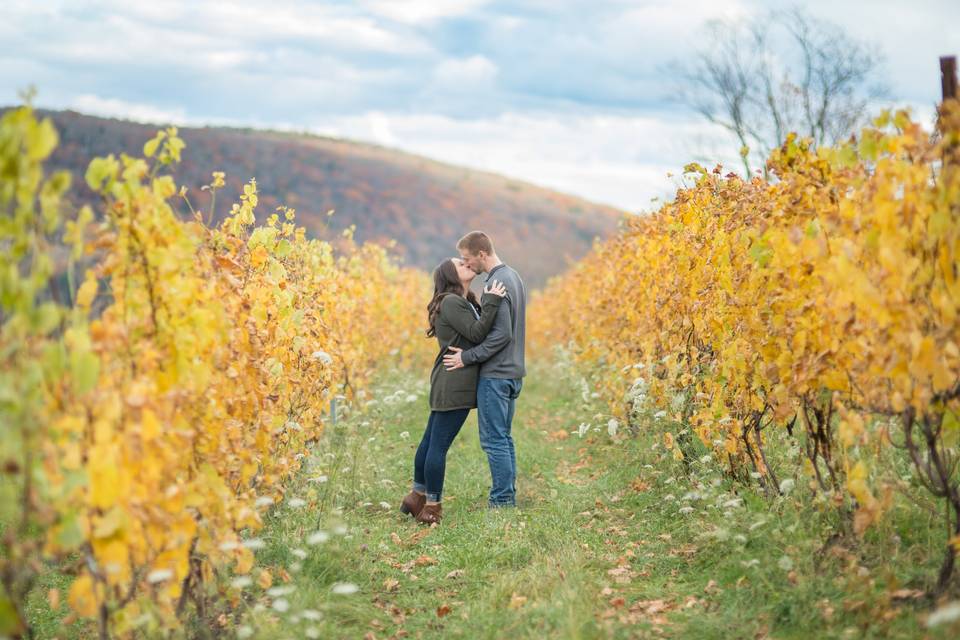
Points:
(786, 71)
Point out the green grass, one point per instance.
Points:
(611, 539)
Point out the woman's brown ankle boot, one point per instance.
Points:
(430, 514)
(412, 503)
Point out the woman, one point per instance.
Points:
(457, 320)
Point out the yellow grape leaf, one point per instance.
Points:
(265, 579)
(87, 292)
(244, 561)
(82, 597)
(110, 523)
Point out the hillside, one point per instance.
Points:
(389, 195)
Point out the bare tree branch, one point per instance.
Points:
(786, 71)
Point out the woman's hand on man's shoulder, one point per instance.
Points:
(496, 288)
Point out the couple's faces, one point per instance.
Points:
(471, 261)
(464, 272)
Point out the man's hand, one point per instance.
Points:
(453, 360)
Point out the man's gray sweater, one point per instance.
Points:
(501, 353)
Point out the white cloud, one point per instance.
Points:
(113, 108)
(571, 95)
(421, 11)
(470, 71)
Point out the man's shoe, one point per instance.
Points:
(430, 514)
(412, 503)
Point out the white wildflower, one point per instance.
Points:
(296, 503)
(254, 543)
(705, 459)
(686, 510)
(411, 398)
(244, 632)
(319, 479)
(787, 485)
(730, 504)
(159, 575)
(229, 545)
(750, 563)
(946, 614)
(385, 506)
(583, 428)
(404, 434)
(660, 414)
(318, 537)
(344, 588)
(323, 357)
(241, 582)
(340, 529)
(310, 614)
(281, 605)
(311, 632)
(785, 563)
(742, 539)
(263, 501)
(300, 553)
(283, 590)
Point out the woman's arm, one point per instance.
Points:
(458, 314)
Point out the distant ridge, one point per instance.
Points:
(422, 204)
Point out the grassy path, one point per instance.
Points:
(611, 539)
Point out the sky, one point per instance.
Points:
(575, 95)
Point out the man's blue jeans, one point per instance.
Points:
(496, 400)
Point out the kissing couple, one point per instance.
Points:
(480, 364)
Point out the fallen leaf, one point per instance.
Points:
(418, 536)
(456, 573)
(395, 538)
(517, 601)
(391, 584)
(907, 594)
(265, 579)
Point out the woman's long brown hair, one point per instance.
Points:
(446, 282)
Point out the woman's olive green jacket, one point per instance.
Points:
(457, 325)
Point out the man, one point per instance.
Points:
(501, 366)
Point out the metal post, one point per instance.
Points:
(948, 76)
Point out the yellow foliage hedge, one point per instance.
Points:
(143, 420)
(827, 297)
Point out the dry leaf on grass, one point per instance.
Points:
(265, 579)
(517, 601)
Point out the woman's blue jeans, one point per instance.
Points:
(430, 463)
